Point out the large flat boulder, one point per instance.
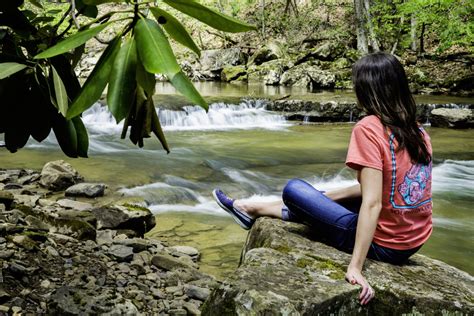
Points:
(453, 118)
(284, 272)
(130, 219)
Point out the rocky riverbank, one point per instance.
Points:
(439, 115)
(65, 250)
(284, 271)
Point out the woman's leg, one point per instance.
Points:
(257, 209)
(330, 220)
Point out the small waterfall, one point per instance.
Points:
(246, 115)
(306, 119)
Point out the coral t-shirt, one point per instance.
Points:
(405, 219)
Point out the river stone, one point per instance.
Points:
(7, 199)
(217, 59)
(28, 200)
(186, 250)
(24, 242)
(89, 190)
(167, 262)
(266, 53)
(59, 175)
(125, 217)
(284, 272)
(308, 75)
(75, 205)
(453, 118)
(230, 73)
(197, 292)
(121, 253)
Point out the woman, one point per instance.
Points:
(392, 156)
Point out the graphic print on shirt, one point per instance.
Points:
(414, 184)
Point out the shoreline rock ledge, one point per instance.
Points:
(284, 272)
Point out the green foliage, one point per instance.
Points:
(39, 49)
(447, 22)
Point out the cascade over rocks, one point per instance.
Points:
(65, 257)
(284, 272)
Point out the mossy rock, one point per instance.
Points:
(307, 278)
(233, 73)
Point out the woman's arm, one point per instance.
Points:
(371, 188)
(351, 192)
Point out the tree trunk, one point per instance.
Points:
(422, 39)
(413, 33)
(372, 38)
(399, 34)
(362, 45)
(262, 3)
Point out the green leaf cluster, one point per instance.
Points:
(447, 22)
(42, 51)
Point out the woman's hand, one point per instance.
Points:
(354, 276)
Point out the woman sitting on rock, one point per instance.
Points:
(392, 156)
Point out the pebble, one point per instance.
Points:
(111, 273)
(197, 292)
(16, 309)
(45, 284)
(121, 253)
(51, 251)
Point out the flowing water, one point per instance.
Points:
(250, 152)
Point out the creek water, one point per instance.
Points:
(249, 152)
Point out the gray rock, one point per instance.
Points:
(137, 244)
(191, 308)
(75, 205)
(125, 217)
(6, 198)
(177, 312)
(121, 253)
(6, 254)
(126, 308)
(24, 242)
(27, 200)
(187, 250)
(105, 237)
(51, 251)
(59, 175)
(30, 178)
(308, 75)
(167, 262)
(36, 223)
(284, 272)
(216, 59)
(197, 292)
(452, 118)
(89, 190)
(265, 53)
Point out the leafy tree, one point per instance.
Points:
(39, 90)
(448, 23)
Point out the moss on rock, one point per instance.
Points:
(308, 279)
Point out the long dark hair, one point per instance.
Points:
(381, 87)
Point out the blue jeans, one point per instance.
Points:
(332, 222)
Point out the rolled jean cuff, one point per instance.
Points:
(285, 214)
